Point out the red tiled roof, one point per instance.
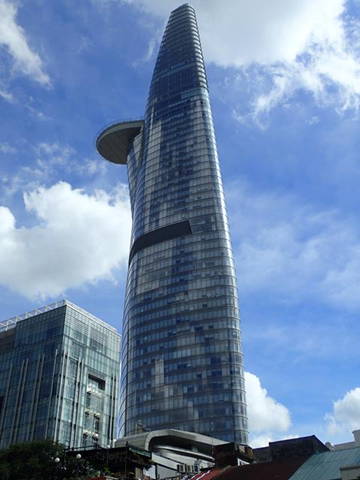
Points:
(208, 474)
(275, 470)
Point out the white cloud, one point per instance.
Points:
(300, 338)
(264, 440)
(260, 441)
(4, 94)
(259, 31)
(345, 416)
(13, 37)
(293, 251)
(36, 113)
(52, 161)
(280, 47)
(265, 413)
(51, 156)
(6, 148)
(64, 250)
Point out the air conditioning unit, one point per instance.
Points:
(181, 468)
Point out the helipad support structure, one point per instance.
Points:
(182, 365)
(115, 141)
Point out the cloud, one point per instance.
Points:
(265, 413)
(5, 95)
(345, 416)
(264, 440)
(263, 32)
(51, 156)
(299, 339)
(49, 161)
(13, 38)
(149, 53)
(260, 441)
(280, 47)
(63, 249)
(293, 251)
(6, 148)
(36, 113)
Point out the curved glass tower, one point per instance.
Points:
(182, 363)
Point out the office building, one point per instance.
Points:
(182, 365)
(59, 377)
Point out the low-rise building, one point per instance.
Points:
(174, 453)
(343, 446)
(59, 377)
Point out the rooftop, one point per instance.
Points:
(275, 470)
(176, 438)
(12, 322)
(326, 465)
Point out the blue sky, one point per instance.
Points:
(284, 82)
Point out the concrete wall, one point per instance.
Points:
(350, 473)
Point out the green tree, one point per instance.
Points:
(36, 461)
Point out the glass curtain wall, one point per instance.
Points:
(182, 364)
(59, 377)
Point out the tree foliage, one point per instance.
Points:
(36, 461)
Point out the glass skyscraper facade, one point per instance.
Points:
(59, 377)
(182, 364)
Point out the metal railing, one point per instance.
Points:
(11, 322)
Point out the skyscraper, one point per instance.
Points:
(182, 363)
(59, 377)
